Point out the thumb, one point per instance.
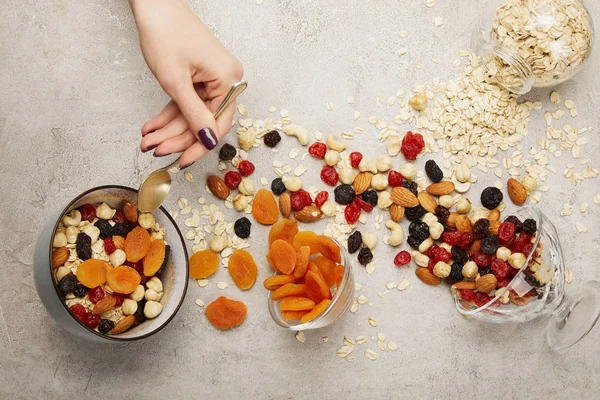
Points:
(199, 118)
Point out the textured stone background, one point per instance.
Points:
(75, 91)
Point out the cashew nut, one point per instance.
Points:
(93, 232)
(429, 219)
(334, 144)
(461, 187)
(367, 165)
(436, 230)
(420, 259)
(397, 235)
(71, 232)
(72, 219)
(298, 131)
(425, 245)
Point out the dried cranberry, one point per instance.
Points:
(109, 245)
(467, 294)
(520, 243)
(366, 207)
(318, 150)
(481, 299)
(431, 264)
(431, 251)
(138, 266)
(402, 258)
(119, 297)
(91, 320)
(355, 159)
(329, 175)
(79, 311)
(503, 282)
(351, 213)
(300, 199)
(482, 259)
(88, 212)
(441, 254)
(500, 268)
(481, 228)
(394, 178)
(233, 179)
(412, 145)
(96, 294)
(119, 217)
(245, 167)
(452, 238)
(516, 221)
(321, 198)
(466, 240)
(506, 231)
(527, 249)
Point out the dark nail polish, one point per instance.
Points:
(207, 137)
(187, 165)
(147, 133)
(149, 148)
(161, 155)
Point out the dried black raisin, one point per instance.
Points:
(83, 246)
(105, 326)
(485, 271)
(365, 256)
(414, 213)
(489, 244)
(419, 230)
(456, 272)
(529, 226)
(106, 229)
(370, 196)
(227, 152)
(139, 313)
(516, 221)
(481, 227)
(67, 284)
(414, 242)
(354, 242)
(459, 255)
(277, 186)
(442, 213)
(412, 186)
(166, 260)
(272, 138)
(122, 229)
(242, 227)
(80, 290)
(491, 197)
(344, 194)
(433, 171)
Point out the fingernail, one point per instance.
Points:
(160, 155)
(147, 149)
(147, 133)
(187, 165)
(207, 137)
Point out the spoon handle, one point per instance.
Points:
(234, 92)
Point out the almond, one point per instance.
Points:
(308, 214)
(404, 197)
(123, 325)
(427, 201)
(441, 188)
(464, 285)
(452, 220)
(494, 215)
(105, 304)
(119, 242)
(217, 187)
(59, 257)
(486, 283)
(427, 277)
(396, 212)
(516, 191)
(474, 248)
(130, 212)
(285, 204)
(362, 182)
(463, 224)
(494, 227)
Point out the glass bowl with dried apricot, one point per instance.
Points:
(108, 273)
(313, 285)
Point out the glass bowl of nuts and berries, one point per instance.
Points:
(108, 273)
(518, 274)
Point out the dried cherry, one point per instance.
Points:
(355, 159)
(329, 175)
(412, 145)
(79, 311)
(109, 245)
(481, 299)
(452, 238)
(321, 198)
(394, 178)
(232, 179)
(500, 268)
(300, 199)
(91, 320)
(88, 212)
(119, 217)
(516, 221)
(96, 294)
(245, 167)
(352, 213)
(366, 207)
(506, 231)
(402, 258)
(441, 254)
(482, 259)
(318, 150)
(467, 294)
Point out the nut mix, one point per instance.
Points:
(108, 268)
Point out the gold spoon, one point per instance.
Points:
(154, 189)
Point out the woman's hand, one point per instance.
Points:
(194, 69)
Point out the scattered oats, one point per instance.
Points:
(392, 346)
(300, 336)
(403, 285)
(361, 339)
(370, 354)
(349, 99)
(569, 104)
(391, 285)
(430, 3)
(329, 106)
(362, 299)
(499, 172)
(554, 97)
(347, 341)
(186, 210)
(182, 202)
(318, 135)
(173, 170)
(597, 198)
(242, 110)
(272, 109)
(567, 210)
(264, 181)
(356, 115)
(403, 34)
(419, 65)
(344, 351)
(372, 322)
(259, 2)
(581, 227)
(201, 200)
(584, 206)
(370, 268)
(222, 285)
(284, 113)
(300, 169)
(569, 277)
(381, 345)
(381, 336)
(188, 176)
(354, 307)
(456, 62)
(350, 358)
(357, 286)
(402, 51)
(200, 303)
(438, 21)
(202, 282)
(325, 338)
(435, 60)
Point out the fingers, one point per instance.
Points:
(163, 118)
(176, 144)
(193, 154)
(176, 127)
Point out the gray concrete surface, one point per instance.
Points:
(75, 91)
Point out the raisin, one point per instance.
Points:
(506, 231)
(491, 197)
(485, 271)
(245, 167)
(106, 229)
(459, 255)
(414, 213)
(413, 242)
(232, 179)
(80, 290)
(329, 175)
(456, 272)
(402, 258)
(88, 212)
(242, 227)
(352, 213)
(83, 246)
(481, 227)
(105, 326)
(529, 226)
(419, 230)
(365, 256)
(67, 284)
(412, 186)
(227, 152)
(370, 196)
(344, 194)
(412, 145)
(300, 199)
(394, 178)
(355, 159)
(318, 150)
(442, 213)
(434, 173)
(277, 186)
(489, 244)
(321, 198)
(516, 222)
(272, 138)
(354, 242)
(139, 313)
(122, 229)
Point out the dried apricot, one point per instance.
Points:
(269, 260)
(306, 238)
(155, 257)
(316, 287)
(242, 269)
(203, 264)
(92, 272)
(294, 303)
(293, 315)
(290, 289)
(275, 282)
(137, 244)
(338, 275)
(123, 279)
(329, 248)
(264, 207)
(301, 262)
(315, 312)
(283, 256)
(327, 268)
(225, 313)
(284, 229)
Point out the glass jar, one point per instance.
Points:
(533, 43)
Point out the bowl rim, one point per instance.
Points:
(55, 284)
